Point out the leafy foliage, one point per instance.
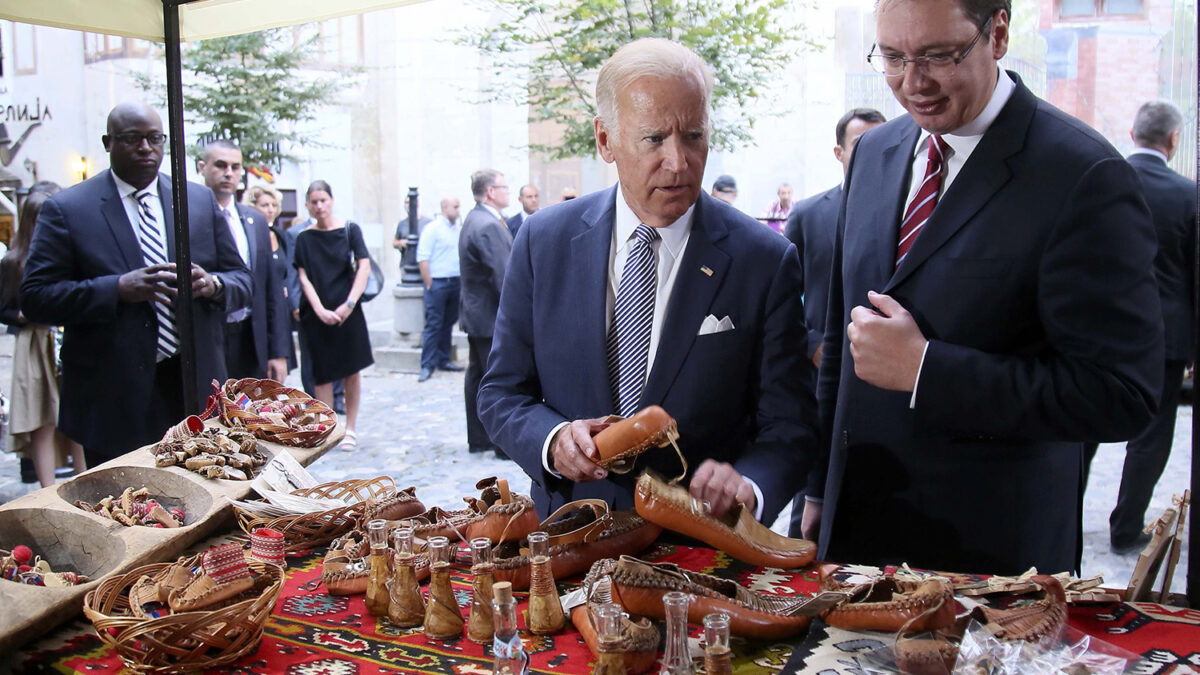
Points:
(250, 89)
(743, 41)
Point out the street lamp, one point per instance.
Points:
(410, 271)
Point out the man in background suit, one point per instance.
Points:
(256, 335)
(992, 306)
(483, 249)
(98, 266)
(811, 226)
(528, 196)
(651, 293)
(1172, 201)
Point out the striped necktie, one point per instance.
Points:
(154, 252)
(921, 207)
(633, 317)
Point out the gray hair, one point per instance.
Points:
(481, 180)
(648, 57)
(1155, 122)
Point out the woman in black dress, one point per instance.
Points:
(267, 201)
(332, 261)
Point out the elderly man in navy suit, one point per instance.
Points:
(992, 307)
(651, 292)
(99, 265)
(256, 335)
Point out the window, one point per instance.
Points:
(100, 47)
(339, 41)
(1088, 9)
(24, 49)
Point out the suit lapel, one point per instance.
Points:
(248, 226)
(589, 254)
(118, 223)
(168, 208)
(983, 175)
(896, 168)
(691, 299)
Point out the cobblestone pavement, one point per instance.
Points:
(416, 433)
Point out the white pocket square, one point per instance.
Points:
(712, 325)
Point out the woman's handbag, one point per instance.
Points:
(375, 280)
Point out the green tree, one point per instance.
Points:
(546, 53)
(249, 89)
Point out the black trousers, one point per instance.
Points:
(1145, 458)
(164, 411)
(480, 347)
(241, 359)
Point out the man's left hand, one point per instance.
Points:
(277, 369)
(202, 283)
(886, 344)
(722, 487)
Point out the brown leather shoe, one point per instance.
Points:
(638, 586)
(889, 604)
(639, 639)
(403, 504)
(619, 444)
(344, 570)
(581, 533)
(737, 532)
(497, 514)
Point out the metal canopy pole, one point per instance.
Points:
(183, 249)
(1193, 569)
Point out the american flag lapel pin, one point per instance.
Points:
(707, 270)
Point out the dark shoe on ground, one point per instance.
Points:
(425, 375)
(1136, 546)
(28, 475)
(500, 454)
(452, 367)
(476, 449)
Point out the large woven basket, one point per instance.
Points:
(314, 529)
(233, 415)
(183, 642)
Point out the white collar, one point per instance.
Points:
(674, 236)
(125, 189)
(1150, 151)
(964, 139)
(494, 210)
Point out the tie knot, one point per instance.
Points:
(646, 234)
(938, 148)
(143, 196)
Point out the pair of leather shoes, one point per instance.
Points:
(426, 373)
(1137, 545)
(451, 367)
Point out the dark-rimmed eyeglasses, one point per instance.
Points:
(933, 65)
(134, 139)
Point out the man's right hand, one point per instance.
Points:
(155, 283)
(810, 520)
(574, 455)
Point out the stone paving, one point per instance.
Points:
(416, 433)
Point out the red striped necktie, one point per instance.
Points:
(921, 206)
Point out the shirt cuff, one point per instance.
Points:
(814, 500)
(758, 498)
(912, 402)
(546, 450)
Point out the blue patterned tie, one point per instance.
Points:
(154, 252)
(633, 317)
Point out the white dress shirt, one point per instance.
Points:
(130, 202)
(962, 142)
(234, 220)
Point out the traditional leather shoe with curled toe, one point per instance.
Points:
(736, 533)
(344, 570)
(638, 586)
(639, 637)
(580, 533)
(404, 504)
(620, 443)
(889, 604)
(496, 514)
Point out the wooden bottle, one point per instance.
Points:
(407, 607)
(377, 593)
(609, 660)
(545, 609)
(480, 626)
(443, 618)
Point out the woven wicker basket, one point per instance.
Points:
(314, 529)
(233, 415)
(184, 642)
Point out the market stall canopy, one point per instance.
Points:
(198, 20)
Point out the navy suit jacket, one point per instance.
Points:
(812, 226)
(1032, 282)
(83, 244)
(1172, 202)
(269, 312)
(514, 223)
(483, 248)
(742, 396)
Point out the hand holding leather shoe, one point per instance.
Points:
(722, 487)
(573, 453)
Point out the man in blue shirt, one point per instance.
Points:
(437, 257)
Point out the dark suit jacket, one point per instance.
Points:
(1032, 282)
(514, 223)
(483, 248)
(269, 313)
(742, 396)
(811, 226)
(1172, 202)
(83, 244)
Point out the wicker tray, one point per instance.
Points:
(314, 529)
(233, 416)
(183, 642)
